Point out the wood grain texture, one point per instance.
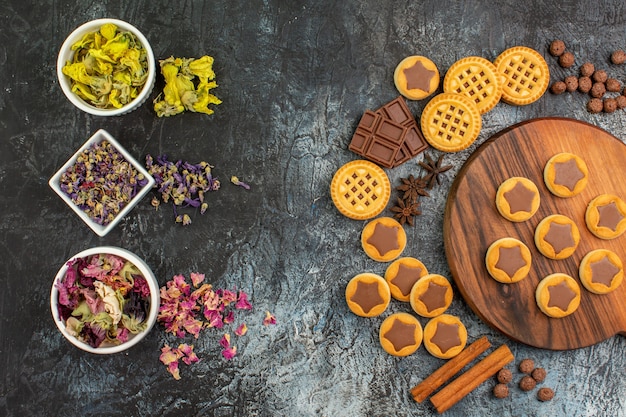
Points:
(472, 223)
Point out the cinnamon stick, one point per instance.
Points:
(422, 390)
(468, 381)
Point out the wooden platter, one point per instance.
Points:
(472, 223)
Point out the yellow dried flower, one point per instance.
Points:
(188, 83)
(109, 67)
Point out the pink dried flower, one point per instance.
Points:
(196, 279)
(189, 356)
(269, 319)
(169, 357)
(241, 330)
(229, 353)
(242, 302)
(225, 341)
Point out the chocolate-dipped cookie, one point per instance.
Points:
(601, 271)
(383, 239)
(517, 199)
(606, 216)
(445, 336)
(557, 236)
(508, 260)
(401, 274)
(400, 334)
(367, 295)
(431, 295)
(558, 295)
(565, 174)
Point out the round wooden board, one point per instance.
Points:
(472, 223)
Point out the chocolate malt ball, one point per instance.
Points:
(597, 90)
(618, 57)
(571, 83)
(557, 47)
(566, 60)
(587, 69)
(621, 102)
(613, 85)
(526, 366)
(500, 391)
(600, 76)
(584, 84)
(504, 375)
(559, 87)
(595, 105)
(538, 374)
(527, 383)
(609, 105)
(545, 394)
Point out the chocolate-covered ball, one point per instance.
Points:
(584, 84)
(526, 366)
(600, 76)
(595, 105)
(587, 69)
(618, 57)
(621, 102)
(539, 374)
(557, 47)
(558, 87)
(597, 90)
(571, 83)
(545, 394)
(527, 383)
(500, 391)
(504, 375)
(566, 60)
(613, 85)
(609, 105)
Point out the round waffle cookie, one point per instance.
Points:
(450, 122)
(360, 189)
(526, 75)
(478, 79)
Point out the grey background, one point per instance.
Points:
(295, 77)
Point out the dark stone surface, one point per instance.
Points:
(295, 78)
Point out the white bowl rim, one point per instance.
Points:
(77, 34)
(155, 298)
(97, 137)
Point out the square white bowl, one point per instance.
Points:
(99, 136)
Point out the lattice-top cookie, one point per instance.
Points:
(526, 75)
(450, 122)
(476, 78)
(360, 189)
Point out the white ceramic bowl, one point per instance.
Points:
(55, 183)
(66, 53)
(154, 300)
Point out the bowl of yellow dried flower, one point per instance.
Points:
(106, 67)
(105, 299)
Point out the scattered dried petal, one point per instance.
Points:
(269, 319)
(241, 330)
(236, 181)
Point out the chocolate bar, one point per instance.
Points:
(389, 136)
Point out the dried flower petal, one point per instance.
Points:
(229, 353)
(241, 330)
(225, 340)
(242, 302)
(269, 319)
(236, 181)
(188, 85)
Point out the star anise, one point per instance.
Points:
(434, 170)
(413, 188)
(405, 211)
